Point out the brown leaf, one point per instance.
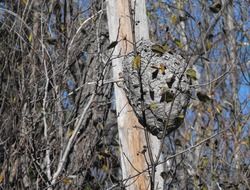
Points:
(170, 81)
(136, 62)
(112, 44)
(151, 93)
(155, 73)
(167, 96)
(215, 7)
(156, 48)
(203, 97)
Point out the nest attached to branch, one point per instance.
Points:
(157, 87)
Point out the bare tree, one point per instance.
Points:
(64, 91)
(132, 139)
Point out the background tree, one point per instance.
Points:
(214, 35)
(57, 111)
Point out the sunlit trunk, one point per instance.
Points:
(131, 135)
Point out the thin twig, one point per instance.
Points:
(47, 152)
(76, 34)
(71, 140)
(175, 155)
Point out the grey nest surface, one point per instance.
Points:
(157, 88)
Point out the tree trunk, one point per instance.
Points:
(142, 33)
(232, 46)
(131, 135)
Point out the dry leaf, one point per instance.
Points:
(136, 62)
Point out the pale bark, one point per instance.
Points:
(131, 134)
(142, 32)
(182, 25)
(230, 27)
(183, 39)
(141, 28)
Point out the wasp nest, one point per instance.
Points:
(157, 87)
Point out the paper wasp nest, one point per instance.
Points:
(157, 87)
